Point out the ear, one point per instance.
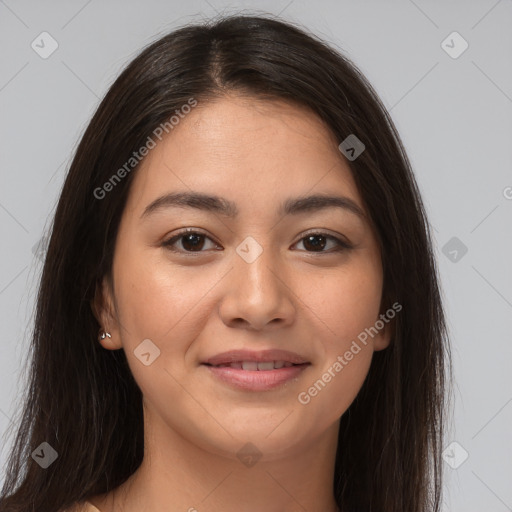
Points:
(104, 311)
(383, 339)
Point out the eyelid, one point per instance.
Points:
(324, 232)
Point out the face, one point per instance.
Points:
(241, 329)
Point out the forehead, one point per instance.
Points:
(255, 151)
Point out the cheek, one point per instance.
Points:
(334, 383)
(344, 303)
(157, 299)
(167, 304)
(161, 303)
(335, 386)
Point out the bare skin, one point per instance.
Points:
(194, 304)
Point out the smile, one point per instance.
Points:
(256, 376)
(253, 366)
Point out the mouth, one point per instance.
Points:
(248, 358)
(253, 366)
(256, 371)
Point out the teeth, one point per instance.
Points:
(254, 365)
(250, 365)
(266, 366)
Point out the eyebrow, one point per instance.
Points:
(222, 206)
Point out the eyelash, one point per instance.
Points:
(341, 244)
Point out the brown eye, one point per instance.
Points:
(316, 242)
(190, 241)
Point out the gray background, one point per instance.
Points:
(455, 118)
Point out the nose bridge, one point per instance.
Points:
(265, 269)
(257, 269)
(259, 294)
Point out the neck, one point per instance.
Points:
(180, 474)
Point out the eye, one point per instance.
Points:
(317, 241)
(190, 239)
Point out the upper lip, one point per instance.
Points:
(259, 356)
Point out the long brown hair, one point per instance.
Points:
(83, 400)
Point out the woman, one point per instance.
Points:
(242, 226)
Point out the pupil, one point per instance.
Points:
(193, 240)
(310, 240)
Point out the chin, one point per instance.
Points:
(272, 436)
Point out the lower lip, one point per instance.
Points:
(258, 380)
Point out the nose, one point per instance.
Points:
(259, 295)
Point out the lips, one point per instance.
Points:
(256, 360)
(254, 366)
(256, 371)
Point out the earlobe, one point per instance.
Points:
(108, 341)
(384, 338)
(382, 342)
(101, 306)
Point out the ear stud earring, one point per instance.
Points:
(104, 335)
